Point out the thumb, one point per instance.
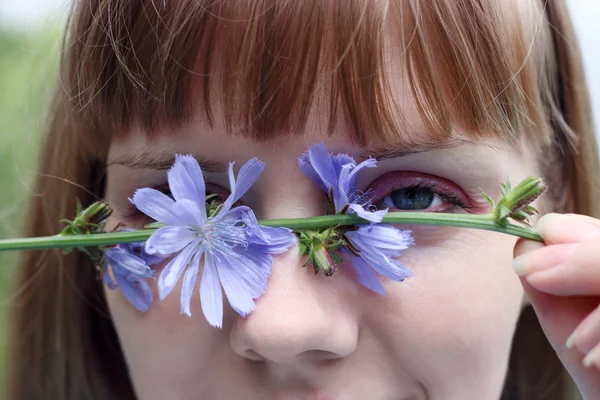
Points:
(526, 245)
(521, 247)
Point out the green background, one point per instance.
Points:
(28, 65)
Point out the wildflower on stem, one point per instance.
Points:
(372, 246)
(236, 250)
(336, 174)
(516, 202)
(127, 266)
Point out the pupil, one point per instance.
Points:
(412, 198)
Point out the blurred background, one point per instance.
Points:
(29, 44)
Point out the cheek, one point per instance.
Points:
(169, 355)
(453, 321)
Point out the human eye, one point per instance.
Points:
(415, 191)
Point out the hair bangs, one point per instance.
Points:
(264, 66)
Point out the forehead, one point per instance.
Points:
(263, 70)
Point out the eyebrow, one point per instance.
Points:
(161, 160)
(403, 149)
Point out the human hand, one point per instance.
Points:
(561, 277)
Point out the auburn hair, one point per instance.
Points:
(495, 68)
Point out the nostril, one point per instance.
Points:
(319, 355)
(308, 356)
(253, 355)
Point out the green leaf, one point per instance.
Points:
(531, 210)
(488, 198)
(504, 212)
(303, 248)
(154, 225)
(335, 257)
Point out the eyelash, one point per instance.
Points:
(378, 190)
(447, 191)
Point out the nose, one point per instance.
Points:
(300, 318)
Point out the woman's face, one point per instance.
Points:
(444, 334)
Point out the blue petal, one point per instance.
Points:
(373, 216)
(187, 182)
(253, 268)
(393, 270)
(211, 297)
(320, 159)
(172, 272)
(366, 276)
(383, 264)
(276, 240)
(154, 204)
(189, 213)
(308, 170)
(236, 289)
(108, 279)
(139, 249)
(271, 240)
(341, 159)
(386, 238)
(344, 190)
(187, 289)
(247, 175)
(136, 290)
(370, 252)
(169, 239)
(152, 259)
(121, 259)
(347, 181)
(368, 163)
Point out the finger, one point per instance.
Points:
(543, 258)
(587, 335)
(563, 270)
(592, 358)
(567, 228)
(558, 317)
(525, 245)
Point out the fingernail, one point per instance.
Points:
(519, 264)
(539, 262)
(588, 360)
(571, 341)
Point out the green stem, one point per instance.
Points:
(477, 221)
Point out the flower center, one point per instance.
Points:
(222, 237)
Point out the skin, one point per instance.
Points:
(443, 334)
(562, 281)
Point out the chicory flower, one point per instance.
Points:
(371, 247)
(129, 264)
(336, 174)
(236, 249)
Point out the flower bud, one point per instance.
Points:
(524, 193)
(96, 214)
(323, 262)
(515, 202)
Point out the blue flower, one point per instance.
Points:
(336, 174)
(130, 269)
(236, 249)
(371, 247)
(376, 245)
